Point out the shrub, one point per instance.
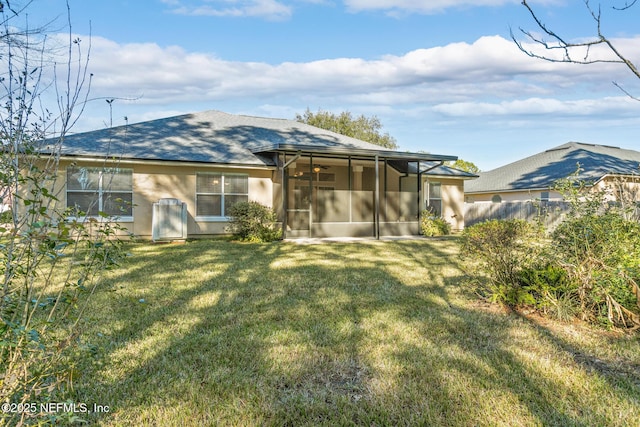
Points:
(588, 266)
(501, 250)
(549, 289)
(431, 225)
(601, 254)
(598, 245)
(6, 217)
(254, 222)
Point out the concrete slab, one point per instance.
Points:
(321, 240)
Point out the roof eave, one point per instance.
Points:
(442, 176)
(353, 152)
(132, 161)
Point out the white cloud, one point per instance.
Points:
(455, 82)
(283, 9)
(269, 9)
(621, 105)
(428, 6)
(490, 67)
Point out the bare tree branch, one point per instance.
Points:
(625, 91)
(552, 41)
(626, 6)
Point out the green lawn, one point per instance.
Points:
(370, 333)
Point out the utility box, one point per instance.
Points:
(169, 220)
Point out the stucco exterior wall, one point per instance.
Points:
(617, 187)
(630, 186)
(154, 182)
(452, 191)
(398, 213)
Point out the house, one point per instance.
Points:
(533, 178)
(320, 183)
(5, 199)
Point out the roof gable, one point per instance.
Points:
(542, 170)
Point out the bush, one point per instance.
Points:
(501, 250)
(588, 266)
(601, 254)
(6, 217)
(254, 222)
(549, 289)
(431, 225)
(598, 245)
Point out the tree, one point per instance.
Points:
(367, 129)
(464, 165)
(50, 259)
(584, 51)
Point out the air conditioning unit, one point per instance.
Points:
(169, 220)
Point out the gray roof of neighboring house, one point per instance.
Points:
(221, 138)
(542, 170)
(435, 169)
(444, 171)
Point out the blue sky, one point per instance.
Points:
(443, 76)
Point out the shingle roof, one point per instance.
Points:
(444, 171)
(213, 137)
(542, 170)
(433, 169)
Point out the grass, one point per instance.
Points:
(374, 333)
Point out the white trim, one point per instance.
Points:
(100, 192)
(222, 194)
(211, 218)
(101, 219)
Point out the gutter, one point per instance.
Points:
(353, 152)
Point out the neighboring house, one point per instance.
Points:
(320, 183)
(533, 178)
(5, 199)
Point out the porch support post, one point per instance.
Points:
(311, 201)
(385, 191)
(419, 176)
(350, 172)
(285, 189)
(377, 200)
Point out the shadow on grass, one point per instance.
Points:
(213, 333)
(617, 373)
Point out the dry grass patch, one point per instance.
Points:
(377, 333)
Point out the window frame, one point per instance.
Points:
(102, 192)
(223, 195)
(430, 198)
(544, 196)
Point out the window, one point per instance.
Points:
(94, 190)
(544, 196)
(434, 203)
(496, 199)
(216, 193)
